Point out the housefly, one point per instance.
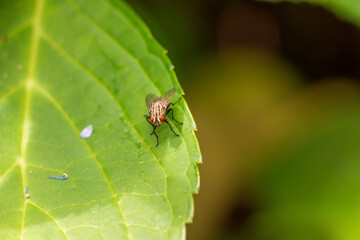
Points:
(159, 107)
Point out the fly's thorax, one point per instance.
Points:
(158, 108)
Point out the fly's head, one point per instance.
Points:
(157, 120)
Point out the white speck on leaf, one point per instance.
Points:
(86, 132)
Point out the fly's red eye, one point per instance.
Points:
(161, 118)
(152, 119)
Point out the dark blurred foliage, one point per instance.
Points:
(308, 36)
(274, 90)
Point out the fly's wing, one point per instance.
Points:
(150, 98)
(166, 97)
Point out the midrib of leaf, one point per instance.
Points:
(29, 84)
(29, 81)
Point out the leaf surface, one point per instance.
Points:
(65, 65)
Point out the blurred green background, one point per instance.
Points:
(274, 89)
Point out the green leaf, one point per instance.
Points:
(345, 9)
(65, 65)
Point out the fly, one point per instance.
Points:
(159, 107)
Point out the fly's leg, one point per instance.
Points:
(147, 119)
(174, 102)
(172, 111)
(157, 138)
(171, 127)
(153, 132)
(172, 114)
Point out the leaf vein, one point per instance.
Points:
(147, 227)
(12, 33)
(50, 217)
(8, 170)
(72, 124)
(11, 91)
(108, 35)
(36, 24)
